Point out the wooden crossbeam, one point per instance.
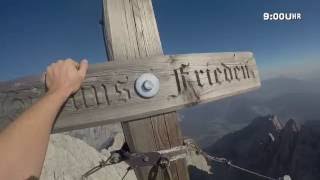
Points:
(108, 95)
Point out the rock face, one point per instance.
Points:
(68, 158)
(98, 137)
(271, 149)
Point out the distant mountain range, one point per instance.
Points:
(271, 148)
(286, 97)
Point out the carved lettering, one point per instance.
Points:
(236, 69)
(217, 74)
(199, 75)
(110, 88)
(119, 91)
(90, 96)
(209, 75)
(247, 71)
(244, 72)
(181, 76)
(99, 93)
(176, 74)
(184, 75)
(123, 92)
(102, 94)
(227, 72)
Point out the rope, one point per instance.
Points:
(251, 172)
(227, 162)
(102, 164)
(164, 162)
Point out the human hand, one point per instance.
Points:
(65, 76)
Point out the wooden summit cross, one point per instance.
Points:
(109, 95)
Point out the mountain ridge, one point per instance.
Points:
(286, 97)
(271, 149)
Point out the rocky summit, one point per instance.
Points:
(72, 154)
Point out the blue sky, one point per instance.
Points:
(37, 32)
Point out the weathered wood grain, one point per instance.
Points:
(139, 35)
(131, 30)
(185, 80)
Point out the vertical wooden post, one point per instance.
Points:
(131, 32)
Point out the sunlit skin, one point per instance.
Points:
(23, 144)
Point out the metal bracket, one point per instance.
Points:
(143, 159)
(155, 159)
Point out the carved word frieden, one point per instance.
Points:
(211, 75)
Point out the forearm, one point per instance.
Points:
(24, 143)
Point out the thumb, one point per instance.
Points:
(83, 67)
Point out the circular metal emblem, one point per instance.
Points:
(147, 85)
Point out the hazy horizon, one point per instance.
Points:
(36, 33)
